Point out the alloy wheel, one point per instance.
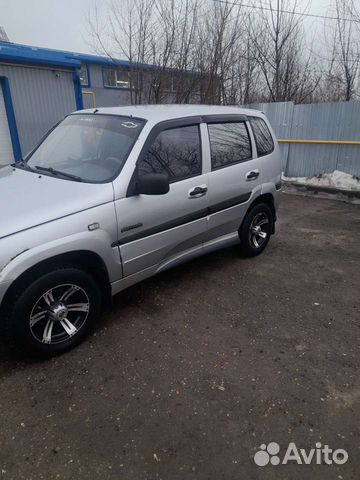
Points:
(59, 314)
(259, 229)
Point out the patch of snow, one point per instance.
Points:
(337, 179)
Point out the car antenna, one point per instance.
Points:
(96, 110)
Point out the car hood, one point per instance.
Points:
(28, 199)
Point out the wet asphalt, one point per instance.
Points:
(194, 369)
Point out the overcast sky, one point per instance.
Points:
(62, 24)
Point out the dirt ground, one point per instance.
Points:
(197, 367)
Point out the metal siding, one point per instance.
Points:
(349, 155)
(40, 99)
(311, 123)
(280, 117)
(320, 121)
(6, 149)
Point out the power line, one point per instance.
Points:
(287, 11)
(335, 59)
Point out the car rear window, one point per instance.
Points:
(263, 139)
(229, 144)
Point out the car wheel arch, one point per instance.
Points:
(86, 260)
(266, 198)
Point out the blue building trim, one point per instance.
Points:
(15, 52)
(78, 90)
(4, 82)
(28, 59)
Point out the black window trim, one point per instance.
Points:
(224, 118)
(236, 119)
(272, 138)
(154, 132)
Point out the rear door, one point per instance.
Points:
(235, 177)
(268, 150)
(155, 228)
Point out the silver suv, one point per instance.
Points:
(112, 196)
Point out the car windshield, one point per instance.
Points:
(87, 147)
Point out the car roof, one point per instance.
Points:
(158, 113)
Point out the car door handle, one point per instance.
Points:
(198, 191)
(252, 175)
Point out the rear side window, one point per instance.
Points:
(175, 152)
(263, 139)
(229, 144)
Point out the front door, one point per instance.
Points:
(155, 228)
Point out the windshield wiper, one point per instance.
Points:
(22, 164)
(58, 172)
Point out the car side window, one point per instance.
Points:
(229, 144)
(263, 139)
(176, 152)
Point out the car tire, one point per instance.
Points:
(256, 230)
(54, 311)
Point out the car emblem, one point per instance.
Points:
(129, 125)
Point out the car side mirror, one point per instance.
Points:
(153, 184)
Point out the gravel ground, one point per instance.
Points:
(194, 369)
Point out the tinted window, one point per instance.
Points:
(176, 152)
(229, 143)
(263, 139)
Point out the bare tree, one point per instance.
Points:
(193, 48)
(157, 37)
(286, 69)
(340, 60)
(218, 38)
(346, 48)
(244, 84)
(219, 51)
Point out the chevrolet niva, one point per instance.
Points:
(112, 196)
